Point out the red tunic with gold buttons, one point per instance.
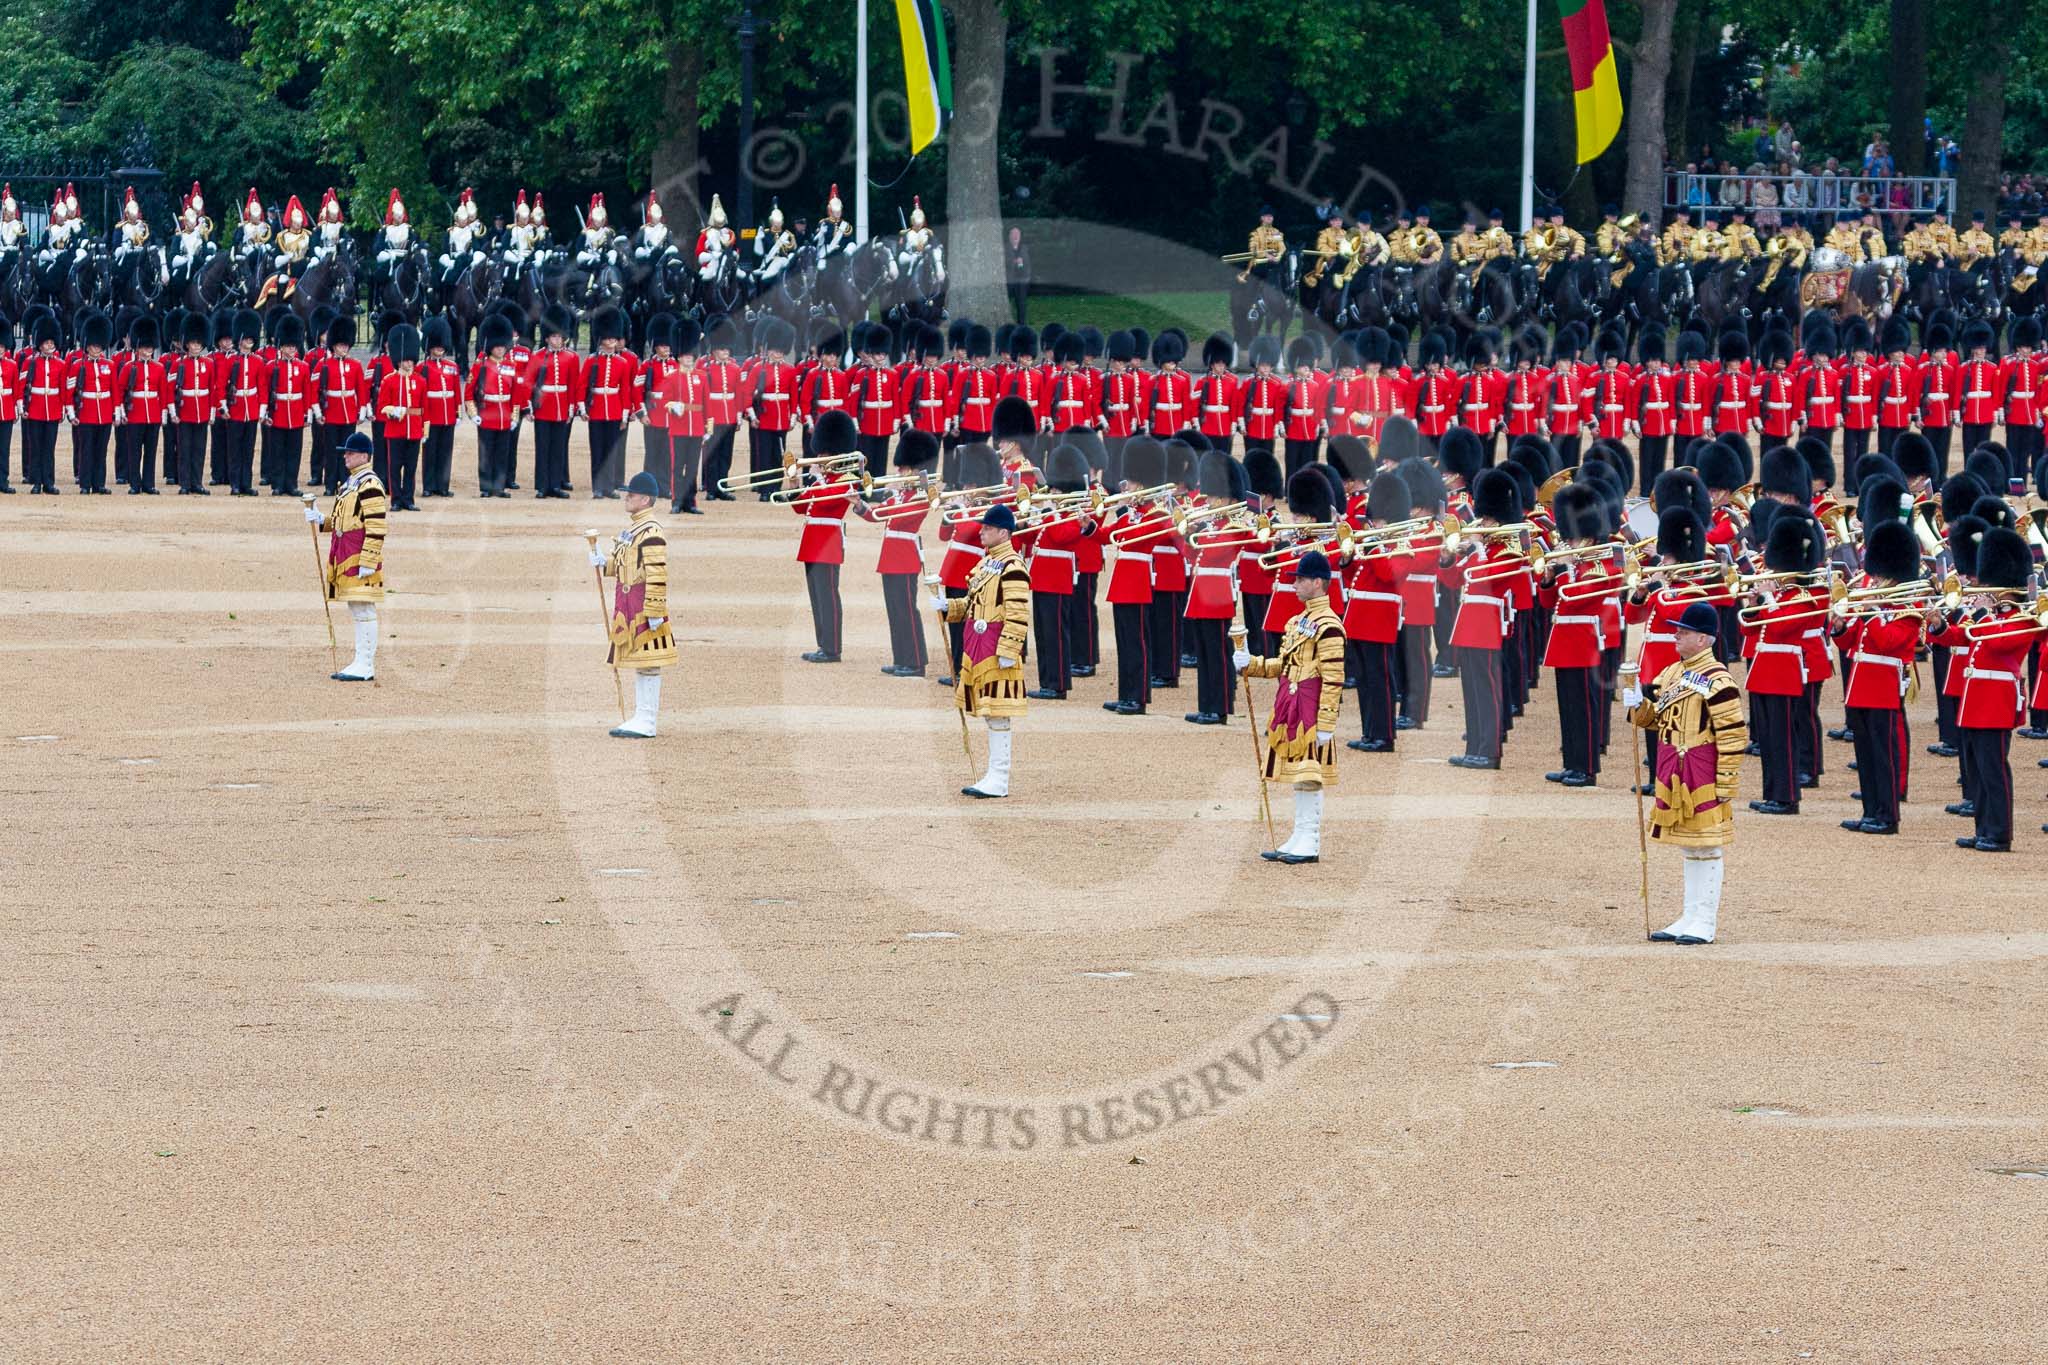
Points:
(408, 394)
(288, 393)
(823, 507)
(609, 381)
(1217, 400)
(443, 405)
(1167, 401)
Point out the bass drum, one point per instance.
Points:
(1641, 520)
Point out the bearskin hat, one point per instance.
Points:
(95, 329)
(1525, 487)
(142, 333)
(1897, 336)
(1212, 474)
(1785, 472)
(1580, 512)
(2025, 332)
(1066, 469)
(1979, 334)
(1537, 459)
(1085, 440)
(1820, 461)
(1093, 343)
(1650, 345)
(1122, 346)
(1913, 455)
(1261, 470)
(1495, 496)
(1720, 468)
(1433, 352)
(1141, 343)
(609, 324)
(1400, 440)
(1612, 341)
(1170, 348)
(2003, 560)
(341, 332)
(1425, 483)
(1218, 349)
(1144, 462)
(1890, 551)
(1681, 535)
(661, 331)
(1013, 421)
(835, 434)
(435, 334)
(1881, 498)
(1568, 343)
(1959, 493)
(1459, 452)
(1796, 543)
(1386, 497)
(1682, 488)
(1308, 495)
(1991, 467)
(402, 343)
(1304, 352)
(292, 332)
(1995, 511)
(1069, 349)
(1049, 336)
(1965, 535)
(688, 336)
(1817, 339)
(1344, 352)
(1182, 469)
(979, 467)
(1265, 351)
(1340, 497)
(916, 450)
(1024, 343)
(1349, 457)
(1376, 347)
(1774, 349)
(1479, 349)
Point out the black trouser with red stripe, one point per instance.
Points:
(1880, 741)
(1807, 727)
(1133, 661)
(1084, 647)
(1578, 718)
(906, 622)
(191, 448)
(1163, 623)
(1414, 673)
(1987, 771)
(550, 457)
(1375, 672)
(402, 453)
(1974, 436)
(1255, 607)
(1945, 706)
(1855, 445)
(437, 461)
(607, 438)
(1479, 675)
(1302, 454)
(494, 459)
(718, 458)
(679, 479)
(90, 441)
(140, 463)
(823, 582)
(282, 449)
(1213, 673)
(235, 443)
(1650, 452)
(1049, 629)
(1610, 669)
(1778, 744)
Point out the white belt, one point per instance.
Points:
(1592, 621)
(289, 397)
(1432, 407)
(1210, 408)
(488, 398)
(46, 393)
(1656, 405)
(143, 393)
(1780, 649)
(1054, 554)
(1175, 407)
(900, 535)
(769, 397)
(1422, 578)
(959, 547)
(825, 521)
(881, 403)
(1262, 412)
(722, 395)
(1898, 400)
(1121, 407)
(1732, 403)
(251, 393)
(922, 402)
(1211, 571)
(1661, 638)
(554, 388)
(94, 395)
(192, 393)
(1978, 393)
(1521, 407)
(1858, 398)
(824, 402)
(1356, 596)
(1993, 674)
(604, 390)
(1777, 406)
(966, 402)
(1489, 601)
(1887, 660)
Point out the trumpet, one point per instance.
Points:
(1919, 594)
(1187, 516)
(1237, 534)
(1745, 497)
(1514, 564)
(1699, 578)
(1315, 530)
(1838, 592)
(1396, 530)
(1455, 535)
(824, 464)
(869, 483)
(1803, 578)
(1572, 554)
(2032, 621)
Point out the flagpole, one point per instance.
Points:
(860, 121)
(1528, 123)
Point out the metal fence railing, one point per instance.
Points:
(1802, 194)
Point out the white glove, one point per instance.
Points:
(1241, 660)
(1325, 736)
(1001, 662)
(656, 622)
(1631, 697)
(312, 514)
(938, 604)
(597, 558)
(364, 571)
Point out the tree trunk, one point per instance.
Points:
(1908, 71)
(674, 170)
(1984, 128)
(1685, 49)
(1647, 77)
(974, 207)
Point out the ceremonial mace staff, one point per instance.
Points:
(326, 607)
(1632, 670)
(931, 581)
(1251, 715)
(605, 614)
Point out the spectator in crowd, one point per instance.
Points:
(1786, 144)
(1017, 261)
(1695, 187)
(1797, 196)
(1827, 186)
(1877, 161)
(1733, 191)
(1763, 194)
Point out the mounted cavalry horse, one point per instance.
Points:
(1263, 299)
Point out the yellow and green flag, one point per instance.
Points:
(1596, 90)
(927, 74)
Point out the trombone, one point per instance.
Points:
(1698, 578)
(1753, 616)
(1287, 556)
(823, 464)
(869, 483)
(1455, 535)
(1788, 578)
(1237, 534)
(2032, 621)
(1572, 554)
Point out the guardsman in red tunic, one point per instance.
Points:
(192, 384)
(287, 407)
(648, 381)
(1940, 391)
(1418, 588)
(901, 514)
(1656, 415)
(1569, 399)
(1481, 568)
(554, 389)
(1681, 539)
(1304, 407)
(1372, 613)
(1898, 390)
(443, 408)
(1436, 393)
(2026, 386)
(927, 391)
(1212, 594)
(1576, 593)
(1216, 395)
(1127, 393)
(495, 396)
(142, 405)
(683, 396)
(1070, 396)
(1980, 384)
(1527, 400)
(1859, 379)
(90, 400)
(1613, 399)
(610, 382)
(1165, 398)
(823, 501)
(1997, 635)
(1734, 403)
(875, 392)
(1027, 379)
(1694, 391)
(1817, 388)
(341, 395)
(402, 414)
(1483, 395)
(1132, 533)
(723, 396)
(1778, 677)
(976, 389)
(241, 376)
(1262, 399)
(11, 387)
(1775, 392)
(1051, 541)
(1880, 646)
(1254, 579)
(771, 406)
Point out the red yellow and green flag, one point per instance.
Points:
(1596, 90)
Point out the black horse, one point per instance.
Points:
(138, 279)
(920, 296)
(862, 272)
(1265, 303)
(401, 288)
(208, 284)
(470, 298)
(328, 282)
